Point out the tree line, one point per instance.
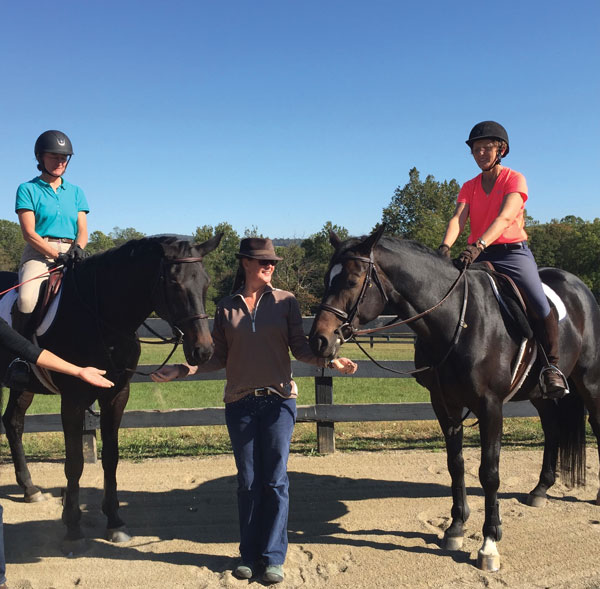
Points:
(418, 210)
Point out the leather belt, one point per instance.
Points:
(502, 247)
(58, 239)
(262, 392)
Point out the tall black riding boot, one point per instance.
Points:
(22, 322)
(18, 372)
(552, 380)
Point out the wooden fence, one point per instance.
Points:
(324, 412)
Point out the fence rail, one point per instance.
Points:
(324, 412)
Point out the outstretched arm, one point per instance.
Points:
(88, 374)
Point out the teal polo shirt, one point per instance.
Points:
(55, 212)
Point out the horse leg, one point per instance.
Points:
(594, 423)
(72, 415)
(110, 420)
(453, 435)
(548, 411)
(490, 427)
(14, 423)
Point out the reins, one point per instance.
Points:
(457, 332)
(347, 332)
(54, 269)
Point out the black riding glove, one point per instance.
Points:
(444, 250)
(63, 259)
(77, 253)
(468, 256)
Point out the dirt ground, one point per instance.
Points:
(357, 520)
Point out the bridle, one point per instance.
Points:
(177, 337)
(346, 330)
(177, 334)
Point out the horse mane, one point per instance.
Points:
(393, 245)
(146, 245)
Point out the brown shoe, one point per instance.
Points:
(552, 382)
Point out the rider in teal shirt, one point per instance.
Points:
(55, 212)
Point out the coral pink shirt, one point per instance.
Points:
(484, 208)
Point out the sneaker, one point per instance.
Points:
(273, 573)
(243, 571)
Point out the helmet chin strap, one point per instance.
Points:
(496, 163)
(45, 171)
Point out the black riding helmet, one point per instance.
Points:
(488, 130)
(52, 142)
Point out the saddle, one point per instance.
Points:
(514, 311)
(49, 290)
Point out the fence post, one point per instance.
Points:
(325, 429)
(91, 422)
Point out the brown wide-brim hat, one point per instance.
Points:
(259, 248)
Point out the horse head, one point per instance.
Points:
(349, 298)
(180, 298)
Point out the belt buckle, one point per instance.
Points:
(262, 392)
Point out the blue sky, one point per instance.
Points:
(282, 115)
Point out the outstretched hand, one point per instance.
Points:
(345, 365)
(166, 373)
(94, 377)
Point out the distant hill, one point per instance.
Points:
(283, 241)
(278, 241)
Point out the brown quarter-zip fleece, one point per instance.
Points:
(253, 347)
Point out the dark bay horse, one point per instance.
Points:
(104, 299)
(474, 371)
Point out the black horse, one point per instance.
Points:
(104, 299)
(470, 350)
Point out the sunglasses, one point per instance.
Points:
(267, 262)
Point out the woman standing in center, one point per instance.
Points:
(253, 330)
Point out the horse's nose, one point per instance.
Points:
(319, 344)
(202, 355)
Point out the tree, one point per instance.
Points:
(311, 268)
(421, 210)
(220, 264)
(121, 236)
(99, 242)
(571, 244)
(295, 274)
(11, 245)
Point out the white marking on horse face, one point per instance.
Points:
(334, 272)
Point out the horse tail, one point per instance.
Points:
(571, 444)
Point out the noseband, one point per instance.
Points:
(345, 331)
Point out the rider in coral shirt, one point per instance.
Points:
(494, 201)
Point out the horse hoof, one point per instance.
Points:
(488, 562)
(536, 500)
(73, 547)
(35, 498)
(118, 535)
(452, 543)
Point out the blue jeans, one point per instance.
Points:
(520, 265)
(2, 557)
(260, 430)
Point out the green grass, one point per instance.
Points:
(138, 444)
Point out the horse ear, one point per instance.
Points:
(368, 244)
(210, 245)
(334, 240)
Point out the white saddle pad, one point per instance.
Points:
(8, 300)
